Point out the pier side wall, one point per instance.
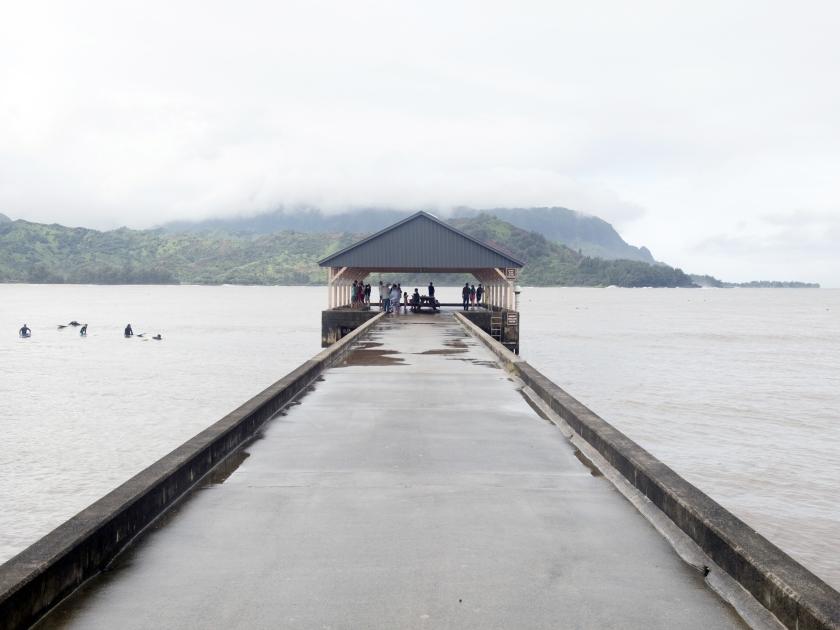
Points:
(39, 577)
(510, 333)
(797, 597)
(336, 323)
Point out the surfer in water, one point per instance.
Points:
(128, 331)
(158, 338)
(74, 323)
(25, 332)
(83, 330)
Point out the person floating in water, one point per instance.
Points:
(74, 323)
(83, 330)
(158, 338)
(25, 332)
(128, 331)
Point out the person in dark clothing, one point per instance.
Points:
(83, 330)
(431, 291)
(128, 331)
(465, 295)
(478, 293)
(158, 338)
(25, 331)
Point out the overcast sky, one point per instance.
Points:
(707, 131)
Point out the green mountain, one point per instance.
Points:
(33, 252)
(553, 264)
(712, 282)
(4, 218)
(583, 233)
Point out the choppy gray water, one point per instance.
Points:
(737, 390)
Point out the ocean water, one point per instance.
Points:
(737, 390)
(79, 416)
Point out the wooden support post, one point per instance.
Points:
(329, 287)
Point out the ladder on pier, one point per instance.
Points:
(496, 326)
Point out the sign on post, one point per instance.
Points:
(513, 319)
(510, 274)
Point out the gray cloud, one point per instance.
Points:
(674, 122)
(816, 235)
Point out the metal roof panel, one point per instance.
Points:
(421, 241)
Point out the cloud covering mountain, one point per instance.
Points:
(584, 233)
(686, 126)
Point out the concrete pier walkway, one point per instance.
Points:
(413, 487)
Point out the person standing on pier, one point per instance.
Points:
(367, 295)
(354, 294)
(432, 292)
(478, 293)
(381, 295)
(395, 298)
(465, 296)
(472, 296)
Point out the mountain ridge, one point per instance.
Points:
(584, 233)
(38, 253)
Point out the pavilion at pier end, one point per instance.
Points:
(422, 244)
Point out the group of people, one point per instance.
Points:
(130, 333)
(359, 294)
(390, 296)
(471, 295)
(27, 332)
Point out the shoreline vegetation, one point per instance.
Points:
(36, 253)
(710, 282)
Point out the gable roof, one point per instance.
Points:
(421, 242)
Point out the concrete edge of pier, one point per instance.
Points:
(796, 597)
(39, 577)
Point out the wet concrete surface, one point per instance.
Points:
(409, 489)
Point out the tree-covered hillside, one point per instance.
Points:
(712, 282)
(581, 232)
(33, 252)
(590, 235)
(552, 264)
